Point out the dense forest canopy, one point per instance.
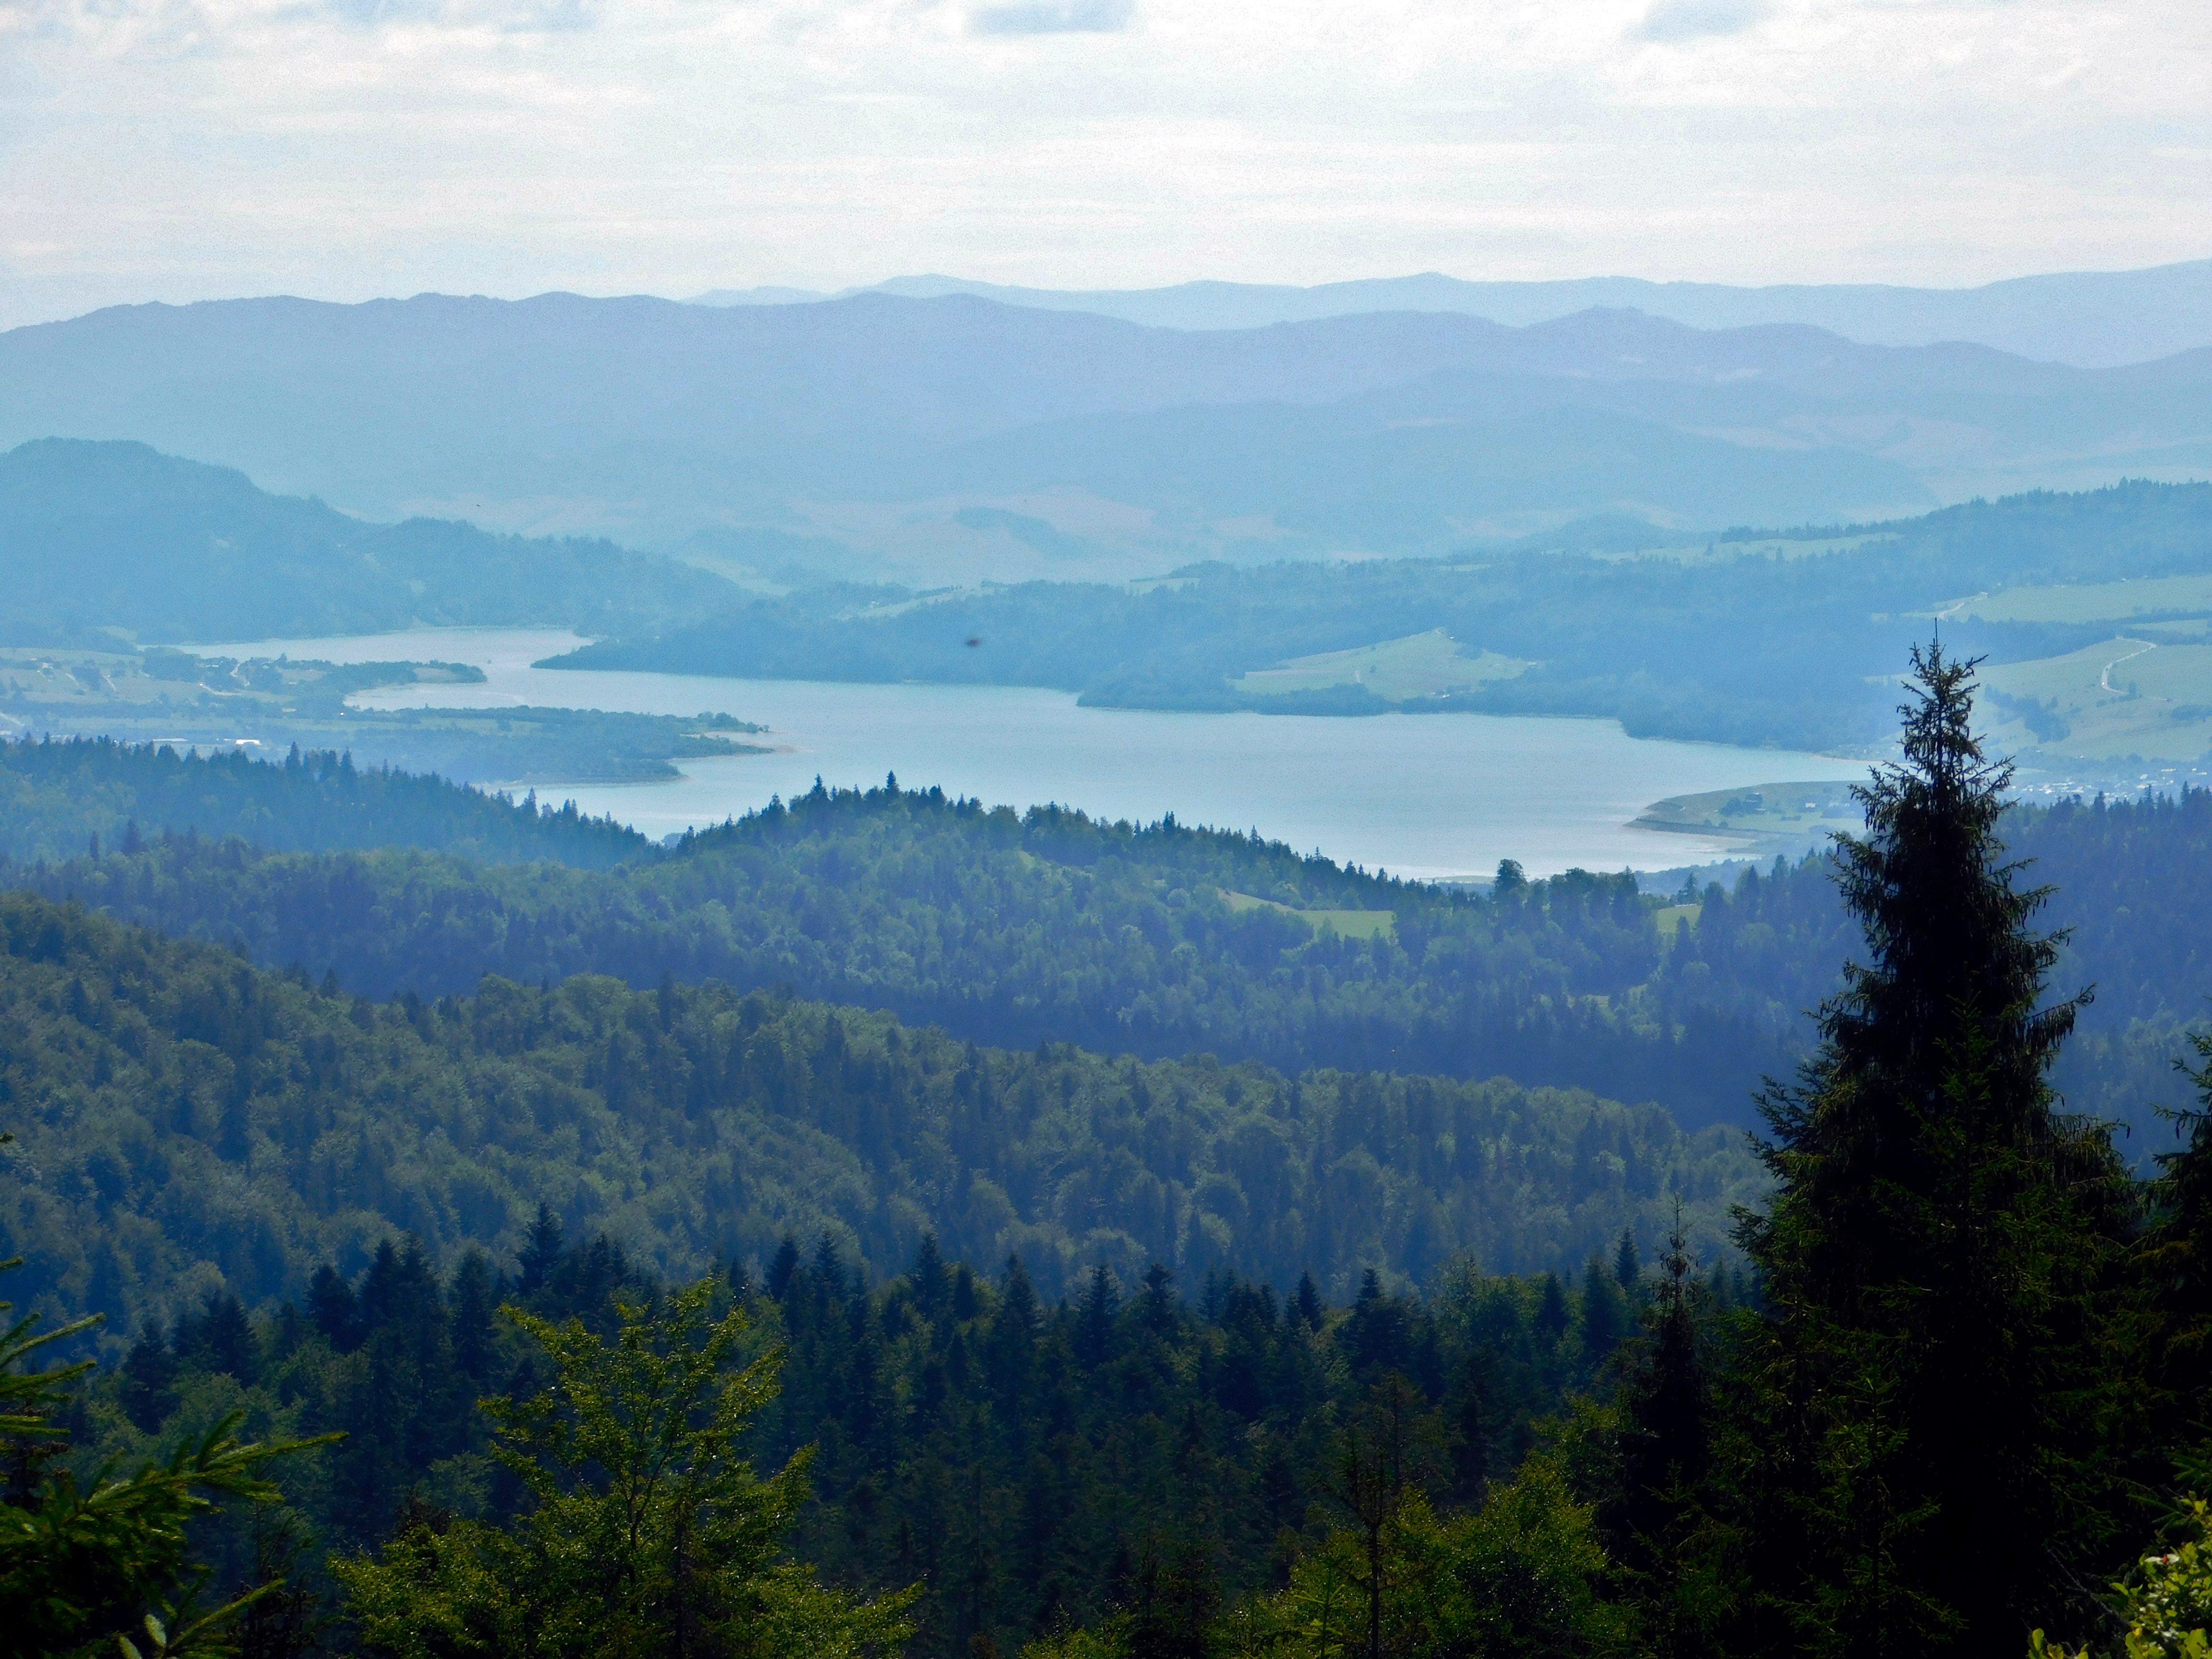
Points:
(1106, 1356)
(1018, 1454)
(58, 799)
(187, 1123)
(1013, 929)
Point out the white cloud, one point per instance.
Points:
(1689, 20)
(371, 13)
(514, 17)
(1055, 17)
(183, 149)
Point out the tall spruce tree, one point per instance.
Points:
(1918, 1467)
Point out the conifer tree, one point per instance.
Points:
(1102, 1301)
(1654, 1521)
(927, 1277)
(2174, 1264)
(1926, 1383)
(149, 1372)
(541, 1251)
(1013, 1340)
(102, 1562)
(1603, 1314)
(473, 1300)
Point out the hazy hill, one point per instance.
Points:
(949, 439)
(2095, 319)
(1751, 638)
(96, 535)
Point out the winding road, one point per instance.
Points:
(2104, 679)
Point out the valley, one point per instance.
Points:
(1366, 981)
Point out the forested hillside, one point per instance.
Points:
(2131, 898)
(185, 1120)
(1754, 637)
(58, 800)
(1049, 927)
(1026, 1458)
(1097, 1356)
(1006, 929)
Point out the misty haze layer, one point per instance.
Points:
(953, 439)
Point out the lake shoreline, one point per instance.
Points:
(1431, 796)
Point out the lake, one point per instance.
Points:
(1433, 796)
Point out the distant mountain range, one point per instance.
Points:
(949, 440)
(2094, 320)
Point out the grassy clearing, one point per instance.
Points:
(1350, 924)
(2128, 696)
(1418, 665)
(2088, 602)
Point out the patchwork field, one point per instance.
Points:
(2127, 696)
(2087, 602)
(1418, 665)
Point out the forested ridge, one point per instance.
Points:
(1017, 928)
(185, 1120)
(59, 798)
(1005, 927)
(196, 1139)
(1024, 1457)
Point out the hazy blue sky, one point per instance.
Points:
(180, 148)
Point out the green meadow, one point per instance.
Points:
(2125, 695)
(1425, 665)
(1349, 924)
(2086, 601)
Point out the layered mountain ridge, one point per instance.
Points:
(957, 438)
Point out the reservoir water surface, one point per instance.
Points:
(1434, 796)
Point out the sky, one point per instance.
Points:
(180, 149)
